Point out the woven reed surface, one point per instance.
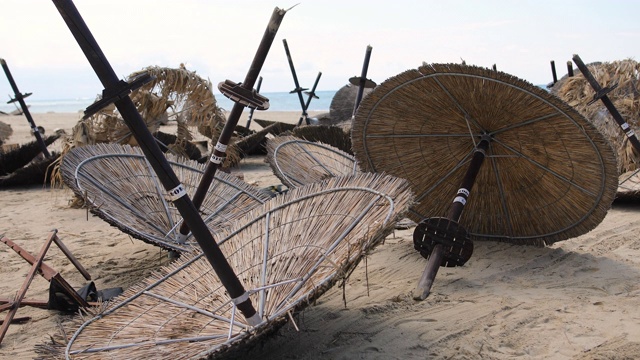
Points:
(5, 131)
(343, 102)
(298, 162)
(549, 174)
(338, 135)
(121, 188)
(577, 92)
(317, 233)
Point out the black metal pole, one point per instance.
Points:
(243, 95)
(298, 89)
(569, 69)
(553, 72)
(311, 95)
(19, 97)
(158, 162)
(363, 79)
(253, 109)
(435, 259)
(601, 93)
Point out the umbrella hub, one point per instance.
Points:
(453, 239)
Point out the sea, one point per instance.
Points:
(278, 101)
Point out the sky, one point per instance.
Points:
(219, 38)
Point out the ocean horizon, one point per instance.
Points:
(278, 101)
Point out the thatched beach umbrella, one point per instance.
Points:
(623, 75)
(298, 162)
(120, 187)
(343, 102)
(288, 252)
(5, 132)
(338, 135)
(549, 175)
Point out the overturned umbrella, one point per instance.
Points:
(19, 97)
(548, 174)
(134, 202)
(117, 91)
(288, 252)
(298, 162)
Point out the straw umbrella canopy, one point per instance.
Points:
(337, 135)
(622, 77)
(297, 162)
(549, 175)
(5, 132)
(119, 186)
(287, 253)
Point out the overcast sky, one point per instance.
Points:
(218, 39)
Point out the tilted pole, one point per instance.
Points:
(601, 94)
(362, 81)
(244, 96)
(312, 94)
(455, 212)
(19, 97)
(176, 192)
(297, 89)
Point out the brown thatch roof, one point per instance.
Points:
(337, 135)
(286, 253)
(297, 162)
(5, 132)
(577, 92)
(119, 186)
(549, 174)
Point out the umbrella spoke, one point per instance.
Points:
(460, 164)
(546, 169)
(524, 123)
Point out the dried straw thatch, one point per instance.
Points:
(37, 172)
(5, 132)
(286, 253)
(119, 186)
(549, 174)
(23, 155)
(577, 92)
(297, 162)
(343, 102)
(337, 135)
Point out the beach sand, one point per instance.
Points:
(577, 299)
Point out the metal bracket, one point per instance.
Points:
(18, 97)
(247, 97)
(117, 92)
(602, 93)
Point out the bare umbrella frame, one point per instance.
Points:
(118, 92)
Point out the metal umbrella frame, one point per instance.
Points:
(288, 252)
(120, 187)
(298, 162)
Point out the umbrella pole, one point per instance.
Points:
(312, 94)
(25, 109)
(244, 96)
(438, 254)
(298, 89)
(553, 73)
(253, 109)
(601, 94)
(175, 190)
(362, 80)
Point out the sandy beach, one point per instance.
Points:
(577, 299)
